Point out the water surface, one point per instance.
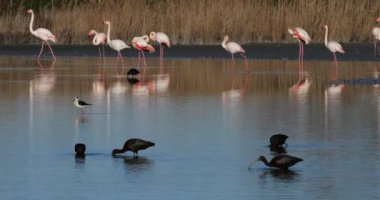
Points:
(208, 125)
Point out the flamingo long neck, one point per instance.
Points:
(31, 24)
(94, 39)
(326, 33)
(224, 43)
(108, 34)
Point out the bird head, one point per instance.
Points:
(153, 36)
(75, 98)
(325, 26)
(378, 20)
(30, 11)
(145, 37)
(107, 22)
(80, 148)
(225, 37)
(261, 158)
(91, 34)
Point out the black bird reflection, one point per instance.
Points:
(285, 175)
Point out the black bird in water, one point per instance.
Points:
(133, 145)
(80, 149)
(281, 161)
(277, 140)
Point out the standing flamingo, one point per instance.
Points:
(98, 39)
(141, 44)
(376, 34)
(115, 44)
(333, 46)
(162, 39)
(303, 38)
(44, 34)
(233, 48)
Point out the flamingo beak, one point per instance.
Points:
(378, 20)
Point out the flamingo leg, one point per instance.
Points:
(375, 47)
(161, 49)
(42, 48)
(245, 61)
(51, 50)
(144, 58)
(335, 60)
(100, 55)
(233, 62)
(302, 48)
(121, 58)
(138, 63)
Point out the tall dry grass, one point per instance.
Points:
(198, 21)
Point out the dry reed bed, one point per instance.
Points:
(200, 21)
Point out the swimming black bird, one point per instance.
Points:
(133, 145)
(281, 161)
(80, 149)
(277, 140)
(133, 72)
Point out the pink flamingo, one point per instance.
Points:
(141, 44)
(233, 48)
(333, 46)
(44, 34)
(162, 39)
(115, 44)
(98, 39)
(303, 38)
(376, 35)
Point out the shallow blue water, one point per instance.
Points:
(208, 125)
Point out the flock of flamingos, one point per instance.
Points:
(141, 43)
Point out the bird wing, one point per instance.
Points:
(376, 32)
(118, 44)
(163, 38)
(234, 47)
(45, 34)
(303, 35)
(83, 103)
(335, 47)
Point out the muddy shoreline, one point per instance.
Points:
(354, 51)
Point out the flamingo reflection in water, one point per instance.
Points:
(235, 94)
(44, 82)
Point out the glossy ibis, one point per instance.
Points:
(281, 161)
(133, 145)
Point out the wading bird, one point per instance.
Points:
(133, 145)
(80, 104)
(233, 48)
(141, 44)
(44, 34)
(303, 38)
(115, 44)
(376, 35)
(98, 39)
(162, 39)
(333, 46)
(281, 161)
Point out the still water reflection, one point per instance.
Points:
(207, 123)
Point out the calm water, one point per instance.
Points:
(208, 125)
